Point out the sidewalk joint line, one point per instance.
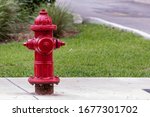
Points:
(21, 88)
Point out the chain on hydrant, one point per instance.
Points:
(43, 44)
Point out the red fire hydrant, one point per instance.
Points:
(43, 43)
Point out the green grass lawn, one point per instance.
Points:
(96, 51)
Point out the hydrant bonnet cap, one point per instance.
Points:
(43, 22)
(43, 19)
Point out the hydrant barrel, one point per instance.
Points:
(43, 45)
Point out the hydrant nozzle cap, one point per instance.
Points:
(25, 44)
(62, 43)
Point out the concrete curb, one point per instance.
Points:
(118, 26)
(143, 1)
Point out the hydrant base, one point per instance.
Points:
(44, 89)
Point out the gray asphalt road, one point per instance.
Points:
(124, 12)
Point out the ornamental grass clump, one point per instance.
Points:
(8, 14)
(62, 18)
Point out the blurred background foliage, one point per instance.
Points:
(17, 15)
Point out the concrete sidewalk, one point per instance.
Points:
(79, 89)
